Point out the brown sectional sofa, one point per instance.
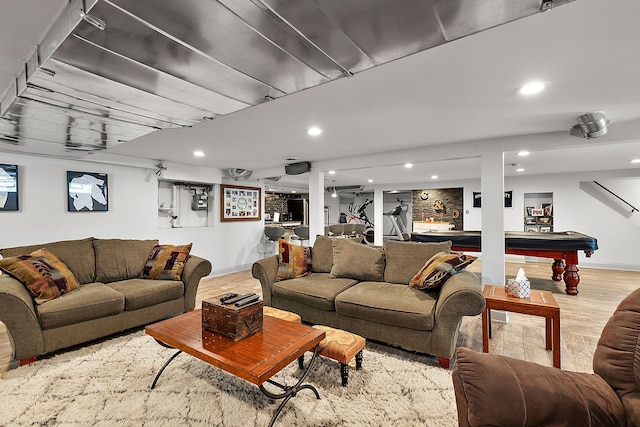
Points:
(382, 307)
(110, 298)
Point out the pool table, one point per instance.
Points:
(562, 247)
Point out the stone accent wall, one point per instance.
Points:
(451, 198)
(277, 202)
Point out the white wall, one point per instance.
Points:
(233, 246)
(133, 213)
(573, 210)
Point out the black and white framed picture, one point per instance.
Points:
(87, 192)
(9, 200)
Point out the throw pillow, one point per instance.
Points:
(357, 261)
(293, 260)
(43, 274)
(322, 254)
(437, 270)
(166, 262)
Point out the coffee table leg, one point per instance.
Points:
(290, 392)
(153, 385)
(556, 340)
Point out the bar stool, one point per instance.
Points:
(336, 230)
(273, 234)
(300, 233)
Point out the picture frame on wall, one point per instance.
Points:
(238, 203)
(531, 228)
(9, 188)
(87, 192)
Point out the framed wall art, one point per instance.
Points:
(239, 203)
(87, 192)
(9, 200)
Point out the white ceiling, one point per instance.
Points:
(436, 109)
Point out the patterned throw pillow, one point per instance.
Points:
(166, 262)
(43, 274)
(293, 260)
(438, 269)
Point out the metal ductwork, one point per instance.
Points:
(346, 188)
(110, 71)
(591, 125)
(237, 174)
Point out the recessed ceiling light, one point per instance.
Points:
(198, 153)
(520, 170)
(533, 87)
(332, 172)
(314, 131)
(293, 191)
(523, 153)
(408, 165)
(369, 181)
(635, 161)
(434, 176)
(290, 158)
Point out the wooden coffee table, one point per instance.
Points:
(255, 359)
(540, 303)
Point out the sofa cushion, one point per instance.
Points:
(166, 262)
(357, 261)
(78, 255)
(293, 260)
(439, 269)
(405, 259)
(42, 273)
(91, 301)
(316, 290)
(118, 259)
(322, 254)
(388, 303)
(141, 293)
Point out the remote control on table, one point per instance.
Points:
(247, 300)
(228, 297)
(238, 298)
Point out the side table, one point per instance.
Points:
(540, 303)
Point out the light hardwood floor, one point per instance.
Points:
(582, 317)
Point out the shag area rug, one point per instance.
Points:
(108, 384)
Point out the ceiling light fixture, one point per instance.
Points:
(523, 153)
(335, 193)
(198, 153)
(314, 131)
(533, 87)
(408, 165)
(434, 176)
(369, 181)
(332, 172)
(635, 161)
(520, 170)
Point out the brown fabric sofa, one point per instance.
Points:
(500, 391)
(110, 298)
(376, 301)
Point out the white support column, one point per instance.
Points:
(316, 205)
(378, 217)
(492, 190)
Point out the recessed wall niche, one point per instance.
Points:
(184, 204)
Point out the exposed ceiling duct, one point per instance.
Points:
(237, 174)
(110, 71)
(591, 125)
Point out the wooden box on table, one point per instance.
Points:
(231, 321)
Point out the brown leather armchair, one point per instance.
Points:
(494, 390)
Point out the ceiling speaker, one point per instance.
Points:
(297, 168)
